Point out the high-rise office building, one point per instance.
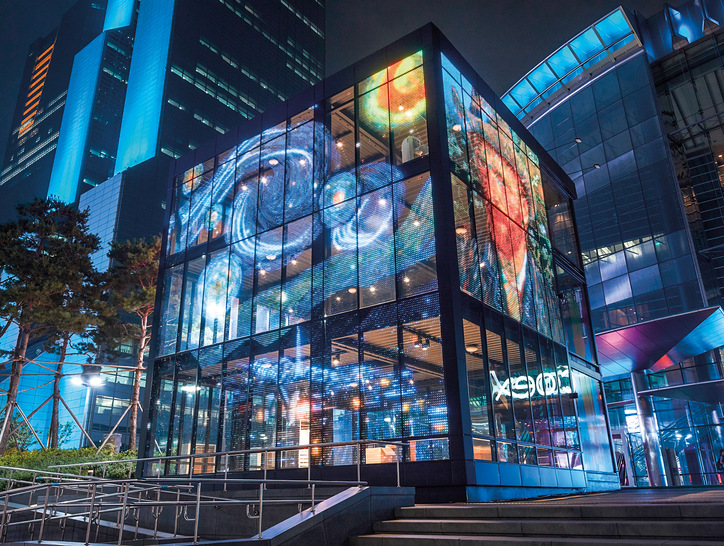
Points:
(631, 109)
(380, 258)
(42, 97)
(150, 81)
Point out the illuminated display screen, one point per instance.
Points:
(505, 260)
(497, 173)
(322, 285)
(300, 297)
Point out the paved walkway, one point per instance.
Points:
(678, 495)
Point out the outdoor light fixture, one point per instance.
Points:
(472, 348)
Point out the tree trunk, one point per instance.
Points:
(54, 424)
(21, 346)
(135, 398)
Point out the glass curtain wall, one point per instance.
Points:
(509, 217)
(302, 305)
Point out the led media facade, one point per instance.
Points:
(301, 296)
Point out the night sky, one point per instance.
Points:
(502, 39)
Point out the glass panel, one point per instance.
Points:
(468, 261)
(271, 184)
(499, 377)
(483, 450)
(549, 383)
(415, 237)
(186, 387)
(374, 140)
(477, 381)
(594, 432)
(341, 144)
(296, 297)
(236, 400)
(200, 210)
(294, 396)
(267, 296)
(380, 381)
(241, 285)
(216, 281)
(376, 245)
(247, 190)
(178, 222)
(193, 299)
(423, 390)
(408, 110)
(570, 421)
(341, 398)
(489, 272)
(299, 191)
(340, 257)
(537, 396)
(171, 308)
(163, 394)
(207, 420)
(520, 384)
(263, 397)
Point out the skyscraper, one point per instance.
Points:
(42, 96)
(150, 81)
(630, 108)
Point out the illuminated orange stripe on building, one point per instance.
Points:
(32, 106)
(42, 64)
(40, 75)
(44, 53)
(24, 129)
(35, 89)
(28, 117)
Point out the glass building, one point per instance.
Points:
(388, 256)
(629, 107)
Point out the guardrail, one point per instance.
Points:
(227, 455)
(128, 497)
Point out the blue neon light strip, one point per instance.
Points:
(144, 97)
(69, 156)
(119, 14)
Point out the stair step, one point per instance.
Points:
(556, 511)
(384, 539)
(580, 528)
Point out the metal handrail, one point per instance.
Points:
(227, 454)
(98, 503)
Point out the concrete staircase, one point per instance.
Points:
(551, 523)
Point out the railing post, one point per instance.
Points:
(265, 463)
(313, 498)
(397, 463)
(309, 464)
(123, 514)
(45, 509)
(261, 507)
(10, 484)
(191, 468)
(158, 472)
(198, 507)
(90, 515)
(226, 469)
(3, 530)
(359, 462)
(177, 511)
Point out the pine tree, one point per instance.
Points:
(131, 282)
(43, 253)
(72, 320)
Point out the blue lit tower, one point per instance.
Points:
(42, 96)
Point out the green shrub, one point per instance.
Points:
(42, 459)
